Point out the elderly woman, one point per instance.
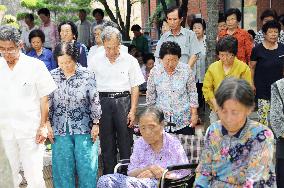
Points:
(238, 152)
(228, 66)
(267, 67)
(97, 30)
(68, 33)
(277, 124)
(74, 114)
(37, 38)
(171, 88)
(152, 153)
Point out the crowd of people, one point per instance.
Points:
(78, 85)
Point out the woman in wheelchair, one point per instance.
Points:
(152, 153)
(238, 152)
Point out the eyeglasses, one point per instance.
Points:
(8, 51)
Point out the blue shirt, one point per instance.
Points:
(75, 103)
(46, 56)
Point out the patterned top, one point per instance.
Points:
(215, 74)
(199, 67)
(277, 108)
(172, 153)
(259, 37)
(242, 160)
(75, 103)
(245, 43)
(174, 94)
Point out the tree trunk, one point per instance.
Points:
(211, 30)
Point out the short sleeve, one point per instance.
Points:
(253, 56)
(44, 82)
(136, 77)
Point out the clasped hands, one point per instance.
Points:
(154, 171)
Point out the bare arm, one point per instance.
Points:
(134, 102)
(192, 60)
(42, 130)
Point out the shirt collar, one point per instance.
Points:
(182, 31)
(237, 135)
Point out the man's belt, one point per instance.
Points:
(114, 94)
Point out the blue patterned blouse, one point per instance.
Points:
(174, 94)
(242, 160)
(75, 103)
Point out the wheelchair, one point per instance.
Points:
(184, 182)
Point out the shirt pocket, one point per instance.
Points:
(27, 89)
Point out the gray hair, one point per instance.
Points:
(9, 33)
(110, 23)
(108, 33)
(237, 89)
(99, 27)
(153, 110)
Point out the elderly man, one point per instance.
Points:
(118, 76)
(25, 83)
(185, 38)
(84, 28)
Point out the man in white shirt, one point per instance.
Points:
(118, 78)
(25, 84)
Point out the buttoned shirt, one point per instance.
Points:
(120, 76)
(84, 32)
(75, 103)
(21, 90)
(215, 74)
(259, 37)
(245, 43)
(187, 41)
(46, 56)
(51, 35)
(242, 160)
(174, 94)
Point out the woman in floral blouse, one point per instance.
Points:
(152, 153)
(238, 152)
(171, 87)
(74, 114)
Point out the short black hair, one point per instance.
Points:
(235, 11)
(271, 24)
(227, 44)
(68, 48)
(83, 10)
(172, 9)
(158, 113)
(221, 17)
(135, 27)
(98, 10)
(267, 13)
(252, 33)
(37, 33)
(44, 11)
(148, 57)
(30, 16)
(237, 89)
(198, 20)
(72, 25)
(170, 48)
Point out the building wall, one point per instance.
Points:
(277, 5)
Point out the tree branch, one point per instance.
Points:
(121, 23)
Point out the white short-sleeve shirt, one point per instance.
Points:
(21, 90)
(118, 77)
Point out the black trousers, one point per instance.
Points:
(114, 131)
(201, 100)
(280, 162)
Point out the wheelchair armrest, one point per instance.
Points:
(183, 166)
(122, 162)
